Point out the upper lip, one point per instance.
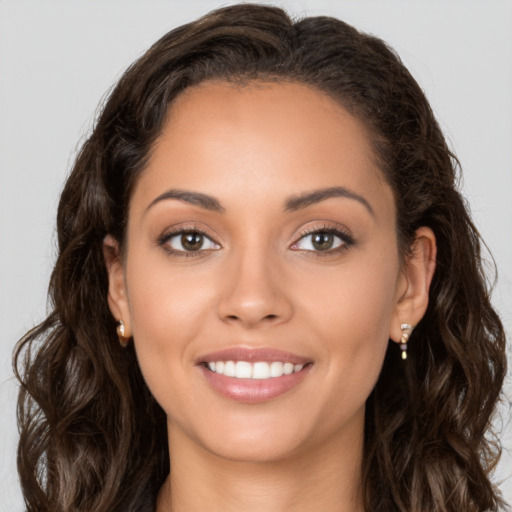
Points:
(252, 354)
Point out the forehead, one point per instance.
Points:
(223, 139)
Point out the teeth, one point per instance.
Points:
(288, 368)
(258, 370)
(276, 369)
(243, 370)
(229, 369)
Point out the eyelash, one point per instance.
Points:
(345, 237)
(168, 235)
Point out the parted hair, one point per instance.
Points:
(92, 438)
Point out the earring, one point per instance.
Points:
(406, 333)
(123, 340)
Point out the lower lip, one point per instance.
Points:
(253, 391)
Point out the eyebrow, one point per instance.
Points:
(304, 200)
(292, 204)
(195, 198)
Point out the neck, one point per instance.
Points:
(325, 478)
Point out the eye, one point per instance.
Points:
(323, 240)
(188, 241)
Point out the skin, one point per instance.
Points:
(261, 283)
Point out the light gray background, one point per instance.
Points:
(57, 59)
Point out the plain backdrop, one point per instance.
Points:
(58, 59)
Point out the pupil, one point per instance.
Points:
(323, 241)
(192, 241)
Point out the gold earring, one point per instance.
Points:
(406, 333)
(123, 340)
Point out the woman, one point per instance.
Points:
(268, 295)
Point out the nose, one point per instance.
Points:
(254, 292)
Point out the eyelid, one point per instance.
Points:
(336, 229)
(163, 239)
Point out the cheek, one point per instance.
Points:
(166, 302)
(167, 309)
(359, 295)
(351, 311)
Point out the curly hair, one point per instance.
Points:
(92, 438)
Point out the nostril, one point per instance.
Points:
(250, 311)
(236, 318)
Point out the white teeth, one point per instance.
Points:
(258, 370)
(243, 370)
(229, 369)
(288, 368)
(276, 369)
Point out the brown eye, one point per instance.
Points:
(192, 241)
(189, 241)
(322, 241)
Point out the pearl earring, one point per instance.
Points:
(406, 333)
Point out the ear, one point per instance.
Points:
(117, 292)
(414, 282)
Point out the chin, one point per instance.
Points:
(259, 450)
(247, 438)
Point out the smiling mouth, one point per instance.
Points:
(253, 370)
(253, 375)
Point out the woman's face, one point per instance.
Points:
(261, 232)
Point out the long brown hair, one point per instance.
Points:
(92, 436)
